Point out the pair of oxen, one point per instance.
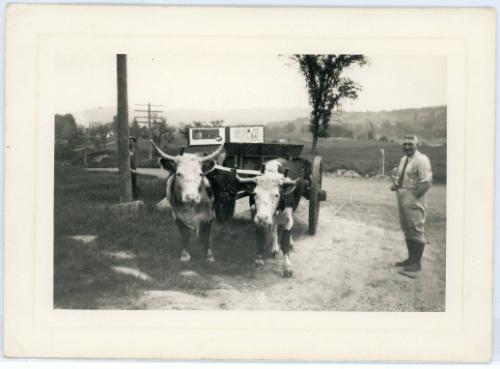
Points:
(274, 197)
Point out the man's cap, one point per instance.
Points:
(132, 138)
(410, 139)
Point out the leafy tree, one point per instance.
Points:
(383, 139)
(290, 127)
(217, 123)
(135, 129)
(99, 134)
(327, 87)
(184, 131)
(161, 131)
(143, 133)
(66, 128)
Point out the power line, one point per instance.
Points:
(151, 115)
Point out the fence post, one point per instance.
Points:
(85, 151)
(150, 153)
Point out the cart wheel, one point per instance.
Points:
(224, 207)
(315, 194)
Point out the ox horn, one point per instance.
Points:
(288, 181)
(161, 153)
(245, 180)
(213, 155)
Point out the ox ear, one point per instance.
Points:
(288, 188)
(168, 165)
(208, 166)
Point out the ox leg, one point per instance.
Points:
(285, 243)
(186, 237)
(280, 235)
(251, 202)
(205, 240)
(275, 248)
(285, 246)
(260, 237)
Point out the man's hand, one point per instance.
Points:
(421, 189)
(394, 187)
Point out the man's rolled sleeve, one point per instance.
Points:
(424, 169)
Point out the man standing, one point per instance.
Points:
(133, 169)
(414, 180)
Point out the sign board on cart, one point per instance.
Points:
(246, 134)
(207, 136)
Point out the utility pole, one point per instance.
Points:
(141, 119)
(123, 134)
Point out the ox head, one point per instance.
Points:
(189, 171)
(268, 189)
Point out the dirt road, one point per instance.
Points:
(347, 266)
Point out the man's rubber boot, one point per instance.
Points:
(415, 266)
(408, 261)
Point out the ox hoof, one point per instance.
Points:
(210, 257)
(258, 261)
(287, 268)
(185, 257)
(275, 251)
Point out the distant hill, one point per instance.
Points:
(428, 123)
(102, 114)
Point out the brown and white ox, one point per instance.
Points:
(275, 197)
(190, 196)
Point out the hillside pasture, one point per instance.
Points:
(363, 156)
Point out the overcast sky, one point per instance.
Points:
(215, 82)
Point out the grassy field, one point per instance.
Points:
(132, 260)
(84, 276)
(363, 156)
(83, 272)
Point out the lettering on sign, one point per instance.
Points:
(246, 134)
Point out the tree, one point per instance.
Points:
(371, 131)
(217, 123)
(100, 132)
(327, 87)
(135, 129)
(162, 132)
(65, 128)
(184, 131)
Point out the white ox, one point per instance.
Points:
(190, 196)
(275, 197)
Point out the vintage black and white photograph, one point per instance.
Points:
(202, 183)
(225, 181)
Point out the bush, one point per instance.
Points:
(66, 153)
